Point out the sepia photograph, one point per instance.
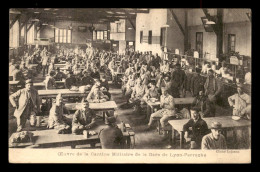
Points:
(130, 85)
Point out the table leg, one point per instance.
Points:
(92, 145)
(235, 138)
(173, 136)
(181, 139)
(128, 142)
(104, 115)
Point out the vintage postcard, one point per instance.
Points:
(130, 85)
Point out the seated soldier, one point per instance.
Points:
(70, 80)
(50, 81)
(87, 79)
(130, 86)
(95, 73)
(104, 86)
(111, 137)
(59, 75)
(241, 103)
(56, 119)
(138, 94)
(17, 74)
(28, 74)
(83, 119)
(202, 102)
(214, 140)
(165, 81)
(195, 129)
(168, 109)
(96, 96)
(152, 92)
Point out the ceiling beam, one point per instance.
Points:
(209, 17)
(13, 22)
(130, 20)
(30, 26)
(177, 21)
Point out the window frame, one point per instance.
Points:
(61, 37)
(230, 41)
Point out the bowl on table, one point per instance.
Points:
(235, 117)
(153, 100)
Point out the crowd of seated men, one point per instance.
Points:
(145, 76)
(144, 79)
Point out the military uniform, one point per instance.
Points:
(167, 111)
(81, 118)
(56, 119)
(111, 137)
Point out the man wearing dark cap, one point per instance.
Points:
(214, 140)
(28, 104)
(111, 137)
(70, 81)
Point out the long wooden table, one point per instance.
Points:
(41, 85)
(152, 105)
(105, 106)
(50, 138)
(178, 101)
(227, 124)
(109, 105)
(65, 93)
(59, 65)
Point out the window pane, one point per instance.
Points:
(98, 35)
(56, 35)
(101, 35)
(69, 36)
(94, 35)
(105, 34)
(61, 35)
(65, 36)
(232, 38)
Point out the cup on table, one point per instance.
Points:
(85, 134)
(38, 121)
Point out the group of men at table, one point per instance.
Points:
(147, 76)
(27, 105)
(168, 82)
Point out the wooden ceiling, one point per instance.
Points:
(89, 15)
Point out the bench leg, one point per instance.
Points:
(181, 139)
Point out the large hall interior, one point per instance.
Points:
(130, 78)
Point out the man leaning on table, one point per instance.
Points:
(96, 96)
(214, 140)
(83, 119)
(28, 104)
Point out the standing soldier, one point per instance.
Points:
(28, 104)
